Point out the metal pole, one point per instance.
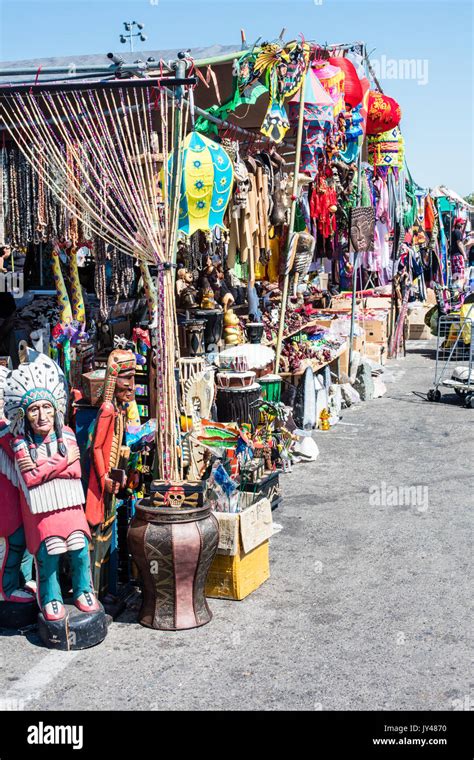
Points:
(93, 69)
(180, 73)
(286, 281)
(356, 254)
(6, 90)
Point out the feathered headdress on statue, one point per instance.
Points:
(3, 376)
(38, 378)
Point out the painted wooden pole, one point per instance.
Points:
(294, 194)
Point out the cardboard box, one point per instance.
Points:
(418, 332)
(375, 330)
(343, 363)
(378, 302)
(417, 315)
(267, 487)
(358, 342)
(324, 322)
(244, 530)
(341, 304)
(242, 562)
(376, 351)
(235, 577)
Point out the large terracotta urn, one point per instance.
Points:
(173, 547)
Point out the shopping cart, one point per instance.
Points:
(455, 357)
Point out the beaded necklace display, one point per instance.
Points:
(3, 194)
(123, 274)
(100, 279)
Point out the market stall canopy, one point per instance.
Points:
(210, 90)
(441, 191)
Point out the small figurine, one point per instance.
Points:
(207, 299)
(186, 293)
(232, 331)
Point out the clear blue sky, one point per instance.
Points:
(437, 116)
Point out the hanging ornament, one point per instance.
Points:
(206, 184)
(384, 113)
(387, 149)
(318, 118)
(353, 92)
(332, 79)
(284, 69)
(100, 277)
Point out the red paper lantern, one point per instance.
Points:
(384, 113)
(352, 86)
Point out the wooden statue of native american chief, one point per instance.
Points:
(47, 465)
(109, 458)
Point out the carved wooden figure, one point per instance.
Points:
(47, 462)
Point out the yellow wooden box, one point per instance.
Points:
(235, 577)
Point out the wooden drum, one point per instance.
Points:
(239, 405)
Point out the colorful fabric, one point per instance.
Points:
(332, 79)
(387, 149)
(323, 198)
(206, 185)
(457, 265)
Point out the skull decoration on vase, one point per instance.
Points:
(47, 461)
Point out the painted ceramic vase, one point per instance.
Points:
(173, 547)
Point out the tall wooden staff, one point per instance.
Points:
(286, 281)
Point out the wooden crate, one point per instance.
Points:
(235, 577)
